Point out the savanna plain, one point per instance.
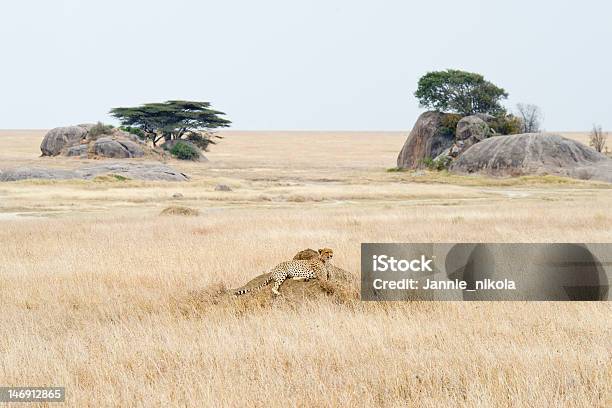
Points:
(99, 292)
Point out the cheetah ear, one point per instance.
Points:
(320, 251)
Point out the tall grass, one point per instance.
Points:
(101, 295)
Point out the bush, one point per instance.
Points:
(203, 139)
(185, 151)
(506, 125)
(100, 129)
(448, 124)
(437, 164)
(134, 131)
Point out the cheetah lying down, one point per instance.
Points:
(302, 270)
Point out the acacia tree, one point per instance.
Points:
(461, 92)
(174, 120)
(531, 117)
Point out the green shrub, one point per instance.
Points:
(202, 139)
(134, 130)
(437, 164)
(185, 151)
(100, 129)
(448, 124)
(427, 162)
(506, 125)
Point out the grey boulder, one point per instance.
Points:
(78, 150)
(133, 148)
(118, 149)
(533, 153)
(472, 127)
(24, 173)
(138, 171)
(428, 138)
(62, 137)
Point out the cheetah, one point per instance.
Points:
(300, 270)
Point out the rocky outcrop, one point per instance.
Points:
(25, 173)
(137, 171)
(533, 153)
(428, 138)
(82, 141)
(469, 131)
(61, 138)
(108, 147)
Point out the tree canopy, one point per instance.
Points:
(173, 120)
(461, 92)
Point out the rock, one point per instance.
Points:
(122, 134)
(470, 130)
(117, 148)
(60, 138)
(107, 147)
(445, 153)
(222, 187)
(78, 150)
(139, 171)
(25, 173)
(168, 145)
(75, 141)
(428, 138)
(472, 127)
(133, 148)
(533, 153)
(177, 195)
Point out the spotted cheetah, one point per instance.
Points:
(301, 270)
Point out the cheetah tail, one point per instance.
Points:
(247, 290)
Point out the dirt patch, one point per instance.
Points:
(178, 210)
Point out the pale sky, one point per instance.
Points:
(316, 64)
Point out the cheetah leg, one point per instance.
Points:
(276, 286)
(300, 278)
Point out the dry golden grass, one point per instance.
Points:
(103, 296)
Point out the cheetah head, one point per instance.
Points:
(326, 254)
